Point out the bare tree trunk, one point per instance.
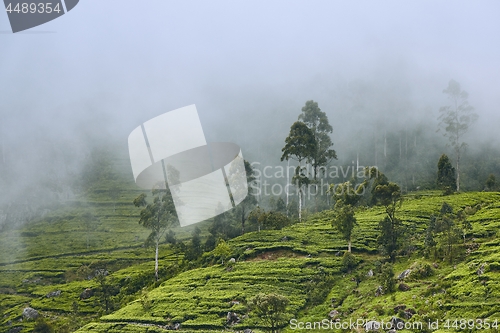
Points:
(458, 170)
(287, 184)
(300, 204)
(156, 261)
(349, 246)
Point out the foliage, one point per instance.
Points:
(222, 250)
(446, 228)
(388, 194)
(300, 145)
(271, 309)
(456, 119)
(344, 221)
(386, 278)
(491, 183)
(242, 210)
(446, 179)
(42, 326)
(317, 121)
(159, 215)
(349, 261)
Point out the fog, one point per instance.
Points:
(87, 79)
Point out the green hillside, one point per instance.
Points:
(302, 261)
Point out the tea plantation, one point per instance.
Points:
(303, 261)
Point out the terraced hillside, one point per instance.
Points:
(303, 262)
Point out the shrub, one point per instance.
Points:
(387, 278)
(349, 261)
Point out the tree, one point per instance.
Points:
(114, 192)
(344, 221)
(195, 250)
(445, 227)
(271, 309)
(446, 179)
(491, 183)
(317, 121)
(158, 215)
(456, 119)
(244, 208)
(272, 219)
(105, 290)
(388, 194)
(222, 250)
(387, 278)
(89, 221)
(42, 326)
(299, 145)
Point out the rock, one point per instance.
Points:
(404, 274)
(232, 318)
(15, 330)
(102, 272)
(30, 313)
(409, 313)
(53, 294)
(232, 260)
(308, 256)
(398, 308)
(372, 325)
(87, 293)
(392, 331)
(370, 273)
(403, 287)
(397, 323)
(338, 254)
(379, 291)
(247, 330)
(234, 302)
(435, 265)
(333, 314)
(177, 326)
(480, 271)
(284, 239)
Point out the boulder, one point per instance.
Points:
(370, 273)
(480, 271)
(399, 307)
(397, 323)
(15, 330)
(53, 294)
(232, 318)
(404, 274)
(30, 313)
(404, 287)
(409, 313)
(333, 314)
(232, 260)
(247, 330)
(379, 291)
(87, 293)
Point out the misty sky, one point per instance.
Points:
(107, 66)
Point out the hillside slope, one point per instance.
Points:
(302, 262)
